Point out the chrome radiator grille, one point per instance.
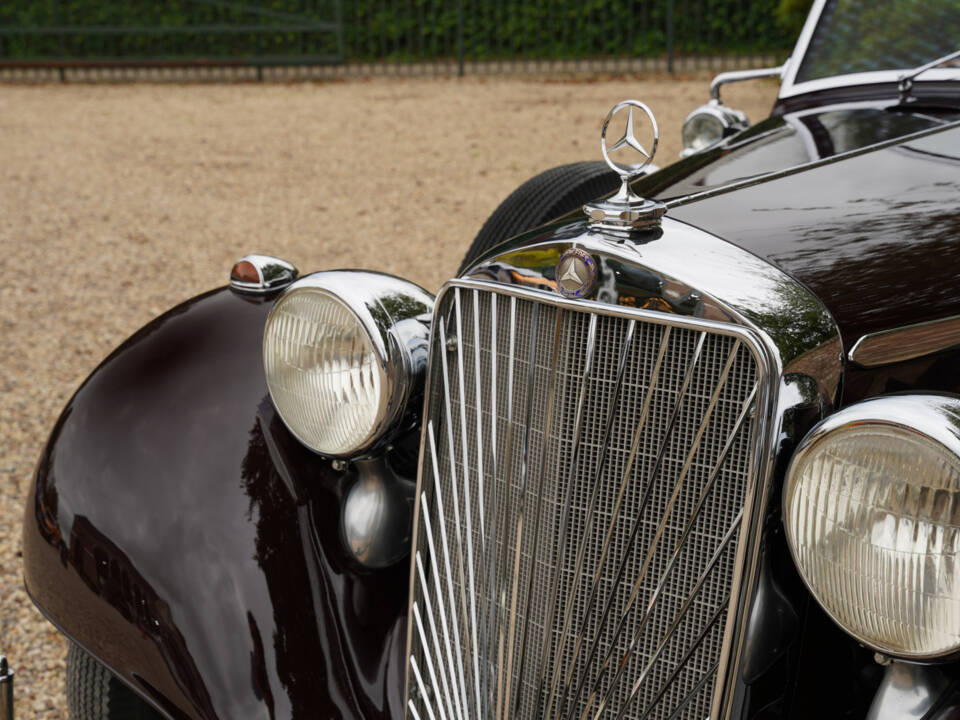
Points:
(583, 484)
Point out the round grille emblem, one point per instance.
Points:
(576, 273)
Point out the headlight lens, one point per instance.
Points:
(872, 514)
(701, 130)
(337, 354)
(322, 371)
(709, 124)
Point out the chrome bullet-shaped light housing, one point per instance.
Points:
(344, 352)
(709, 124)
(872, 516)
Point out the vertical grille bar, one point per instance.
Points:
(502, 648)
(578, 435)
(596, 468)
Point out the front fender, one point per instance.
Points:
(180, 534)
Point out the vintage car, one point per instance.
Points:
(689, 451)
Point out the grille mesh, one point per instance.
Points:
(583, 483)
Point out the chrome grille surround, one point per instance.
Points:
(637, 614)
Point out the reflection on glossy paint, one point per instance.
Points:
(876, 237)
(788, 140)
(181, 535)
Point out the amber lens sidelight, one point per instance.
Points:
(872, 514)
(245, 271)
(323, 371)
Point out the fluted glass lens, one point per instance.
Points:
(322, 371)
(701, 130)
(873, 517)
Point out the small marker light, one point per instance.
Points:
(245, 271)
(260, 274)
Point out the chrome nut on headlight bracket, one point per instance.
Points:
(872, 516)
(344, 353)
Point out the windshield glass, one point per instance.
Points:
(865, 35)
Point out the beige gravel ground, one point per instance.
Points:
(119, 201)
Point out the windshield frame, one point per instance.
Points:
(790, 88)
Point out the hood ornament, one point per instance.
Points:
(626, 210)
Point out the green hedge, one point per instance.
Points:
(395, 29)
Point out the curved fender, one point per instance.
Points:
(181, 535)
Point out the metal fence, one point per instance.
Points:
(286, 38)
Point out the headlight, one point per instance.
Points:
(343, 352)
(872, 515)
(709, 124)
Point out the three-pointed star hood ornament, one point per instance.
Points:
(626, 210)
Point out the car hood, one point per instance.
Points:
(787, 140)
(875, 235)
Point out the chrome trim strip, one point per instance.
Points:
(423, 689)
(492, 618)
(456, 502)
(446, 563)
(907, 342)
(872, 77)
(467, 509)
(531, 377)
(543, 454)
(800, 49)
(433, 674)
(436, 639)
(479, 401)
(501, 649)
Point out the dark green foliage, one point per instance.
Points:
(166, 29)
(791, 14)
(389, 29)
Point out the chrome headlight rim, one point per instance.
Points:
(932, 417)
(731, 121)
(399, 342)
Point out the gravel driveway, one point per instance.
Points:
(118, 201)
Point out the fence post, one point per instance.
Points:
(460, 38)
(58, 19)
(259, 52)
(670, 38)
(340, 39)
